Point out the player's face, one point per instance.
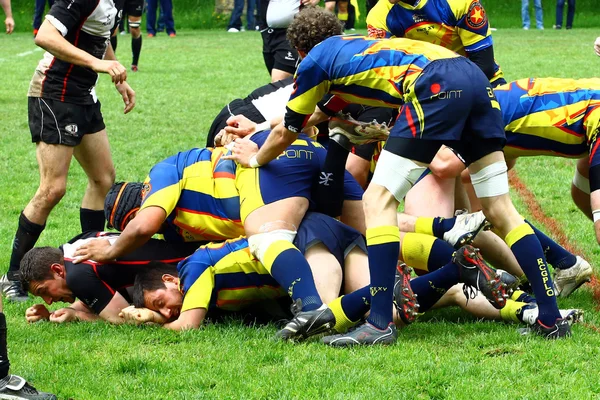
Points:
(167, 301)
(52, 290)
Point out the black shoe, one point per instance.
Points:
(560, 329)
(16, 388)
(405, 300)
(511, 282)
(12, 289)
(307, 323)
(476, 274)
(365, 334)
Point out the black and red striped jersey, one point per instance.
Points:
(87, 24)
(95, 284)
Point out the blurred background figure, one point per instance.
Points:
(38, 13)
(166, 7)
(9, 22)
(346, 13)
(560, 5)
(235, 22)
(539, 15)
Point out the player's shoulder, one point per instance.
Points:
(460, 7)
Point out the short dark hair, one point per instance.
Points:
(35, 265)
(149, 280)
(311, 26)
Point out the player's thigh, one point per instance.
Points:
(53, 162)
(326, 270)
(356, 270)
(431, 197)
(93, 154)
(359, 163)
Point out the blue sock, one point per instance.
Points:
(530, 256)
(357, 303)
(442, 225)
(556, 255)
(440, 255)
(383, 244)
(432, 286)
(291, 270)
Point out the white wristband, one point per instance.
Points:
(263, 126)
(596, 215)
(253, 162)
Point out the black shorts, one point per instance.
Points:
(236, 107)
(55, 122)
(133, 8)
(277, 51)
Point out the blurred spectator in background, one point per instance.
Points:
(346, 13)
(235, 22)
(38, 13)
(9, 22)
(560, 5)
(539, 16)
(167, 8)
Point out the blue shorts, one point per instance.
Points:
(339, 239)
(452, 103)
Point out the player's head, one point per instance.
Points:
(311, 26)
(43, 273)
(122, 203)
(157, 288)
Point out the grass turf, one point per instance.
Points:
(182, 84)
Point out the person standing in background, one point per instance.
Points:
(38, 13)
(346, 13)
(133, 9)
(560, 5)
(235, 22)
(9, 22)
(167, 8)
(539, 15)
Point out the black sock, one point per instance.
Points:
(91, 220)
(4, 363)
(113, 42)
(136, 49)
(330, 190)
(27, 234)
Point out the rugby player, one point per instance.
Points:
(133, 9)
(459, 25)
(96, 290)
(65, 118)
(444, 99)
(226, 276)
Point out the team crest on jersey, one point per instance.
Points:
(418, 18)
(146, 188)
(476, 17)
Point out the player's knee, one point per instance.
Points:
(134, 29)
(270, 235)
(103, 182)
(50, 195)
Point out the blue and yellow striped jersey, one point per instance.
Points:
(225, 275)
(197, 190)
(361, 70)
(459, 25)
(551, 116)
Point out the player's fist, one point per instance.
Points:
(117, 72)
(240, 126)
(36, 313)
(63, 315)
(141, 315)
(597, 46)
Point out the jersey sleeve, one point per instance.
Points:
(66, 15)
(593, 133)
(377, 20)
(472, 24)
(162, 188)
(87, 286)
(198, 293)
(311, 83)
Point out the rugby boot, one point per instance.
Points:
(466, 227)
(16, 388)
(305, 324)
(566, 281)
(476, 274)
(12, 289)
(511, 282)
(405, 300)
(364, 334)
(560, 329)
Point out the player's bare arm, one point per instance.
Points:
(126, 92)
(190, 319)
(246, 152)
(50, 39)
(146, 223)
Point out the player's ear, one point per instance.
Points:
(169, 278)
(58, 269)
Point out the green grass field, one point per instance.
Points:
(182, 84)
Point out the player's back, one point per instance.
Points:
(549, 116)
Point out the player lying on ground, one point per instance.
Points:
(225, 276)
(101, 289)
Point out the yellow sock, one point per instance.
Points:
(342, 322)
(424, 225)
(509, 311)
(416, 248)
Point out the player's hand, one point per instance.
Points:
(240, 126)
(241, 151)
(128, 95)
(97, 250)
(117, 72)
(9, 22)
(223, 138)
(36, 313)
(597, 46)
(141, 315)
(63, 315)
